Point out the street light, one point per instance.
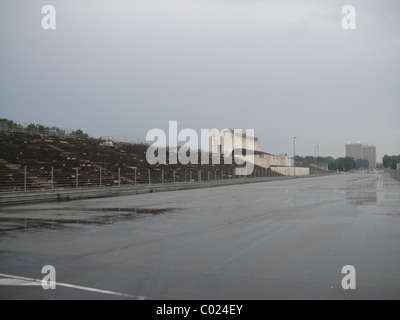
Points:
(294, 154)
(316, 148)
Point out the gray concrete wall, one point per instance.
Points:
(290, 171)
(268, 160)
(322, 166)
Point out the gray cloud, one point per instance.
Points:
(279, 67)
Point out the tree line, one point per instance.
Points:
(339, 164)
(10, 125)
(347, 163)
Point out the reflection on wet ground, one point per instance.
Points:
(393, 214)
(114, 215)
(364, 193)
(376, 190)
(362, 199)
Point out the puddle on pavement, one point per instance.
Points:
(363, 199)
(115, 215)
(133, 210)
(392, 196)
(393, 214)
(390, 214)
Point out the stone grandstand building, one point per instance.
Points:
(230, 139)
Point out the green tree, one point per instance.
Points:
(362, 164)
(79, 134)
(332, 164)
(6, 124)
(346, 164)
(391, 161)
(31, 128)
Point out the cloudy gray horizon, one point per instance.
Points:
(282, 68)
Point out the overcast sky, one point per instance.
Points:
(282, 68)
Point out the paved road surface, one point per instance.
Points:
(276, 240)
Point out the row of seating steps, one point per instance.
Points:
(44, 157)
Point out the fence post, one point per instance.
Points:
(52, 178)
(174, 176)
(208, 174)
(199, 176)
(149, 176)
(100, 177)
(162, 176)
(24, 178)
(190, 176)
(119, 177)
(135, 176)
(76, 176)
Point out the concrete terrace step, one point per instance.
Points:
(40, 153)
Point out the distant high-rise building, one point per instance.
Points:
(354, 150)
(358, 151)
(369, 153)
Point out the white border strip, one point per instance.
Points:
(30, 281)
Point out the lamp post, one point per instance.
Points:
(294, 154)
(316, 155)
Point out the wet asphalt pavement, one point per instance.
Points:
(276, 240)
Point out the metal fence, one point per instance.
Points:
(29, 179)
(62, 189)
(14, 197)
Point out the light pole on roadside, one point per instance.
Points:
(316, 149)
(294, 154)
(315, 153)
